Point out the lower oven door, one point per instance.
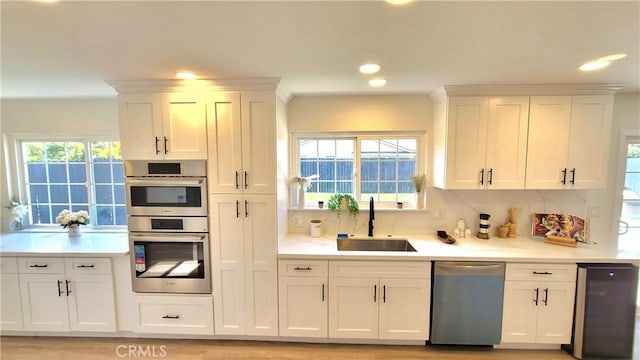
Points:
(170, 263)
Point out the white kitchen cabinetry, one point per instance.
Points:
(10, 301)
(379, 300)
(243, 252)
(569, 140)
(63, 294)
(481, 142)
(241, 132)
(303, 298)
(163, 126)
(538, 303)
(174, 314)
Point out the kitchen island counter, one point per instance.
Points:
(519, 249)
(101, 244)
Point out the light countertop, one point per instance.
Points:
(519, 249)
(94, 244)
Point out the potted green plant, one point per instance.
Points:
(341, 201)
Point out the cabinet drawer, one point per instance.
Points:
(546, 272)
(303, 268)
(166, 314)
(41, 266)
(8, 265)
(87, 266)
(387, 269)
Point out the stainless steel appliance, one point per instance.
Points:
(605, 311)
(467, 303)
(168, 233)
(170, 254)
(166, 188)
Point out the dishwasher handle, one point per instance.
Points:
(469, 268)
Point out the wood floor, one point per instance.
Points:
(65, 348)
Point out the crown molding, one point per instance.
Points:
(533, 89)
(176, 85)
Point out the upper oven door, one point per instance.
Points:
(167, 196)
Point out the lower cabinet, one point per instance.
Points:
(303, 299)
(73, 294)
(379, 300)
(10, 301)
(538, 303)
(174, 314)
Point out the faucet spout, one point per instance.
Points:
(371, 217)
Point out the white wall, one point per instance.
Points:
(357, 113)
(51, 117)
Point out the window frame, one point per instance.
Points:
(17, 181)
(421, 156)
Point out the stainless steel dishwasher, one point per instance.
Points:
(467, 303)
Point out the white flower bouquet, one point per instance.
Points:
(67, 218)
(17, 210)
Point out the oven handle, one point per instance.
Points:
(165, 182)
(170, 238)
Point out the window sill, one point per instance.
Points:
(57, 229)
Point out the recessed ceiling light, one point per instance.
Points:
(377, 82)
(369, 68)
(594, 65)
(613, 57)
(186, 75)
(601, 63)
(399, 2)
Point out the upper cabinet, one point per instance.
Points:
(163, 126)
(242, 142)
(569, 139)
(485, 141)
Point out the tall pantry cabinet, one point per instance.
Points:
(241, 128)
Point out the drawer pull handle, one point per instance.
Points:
(67, 286)
(546, 296)
(298, 268)
(85, 266)
(542, 273)
(536, 299)
(39, 266)
(59, 289)
(171, 317)
(322, 292)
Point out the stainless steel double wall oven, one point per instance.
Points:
(168, 227)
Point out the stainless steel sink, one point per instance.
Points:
(373, 244)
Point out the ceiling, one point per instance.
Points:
(69, 49)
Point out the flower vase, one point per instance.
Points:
(301, 198)
(74, 230)
(419, 200)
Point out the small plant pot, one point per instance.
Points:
(399, 205)
(320, 204)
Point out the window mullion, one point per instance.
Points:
(93, 216)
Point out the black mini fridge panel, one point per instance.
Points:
(605, 311)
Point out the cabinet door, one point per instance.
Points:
(227, 261)
(10, 303)
(589, 140)
(184, 126)
(261, 275)
(140, 126)
(519, 314)
(303, 306)
(224, 130)
(44, 302)
(258, 142)
(555, 312)
(88, 293)
(547, 149)
(404, 310)
(466, 142)
(353, 308)
(507, 142)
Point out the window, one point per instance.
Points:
(74, 175)
(364, 166)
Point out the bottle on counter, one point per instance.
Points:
(460, 227)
